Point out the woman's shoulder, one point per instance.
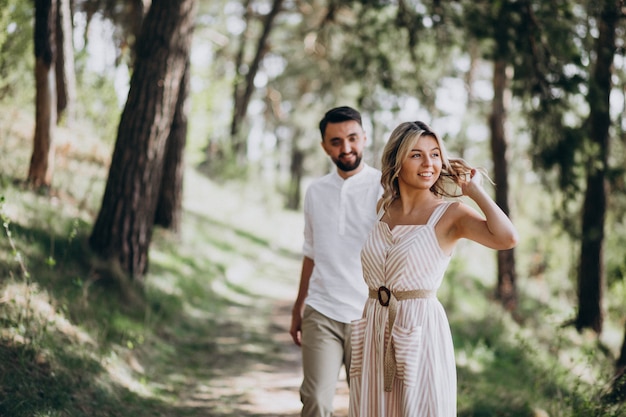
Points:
(456, 209)
(458, 217)
(453, 211)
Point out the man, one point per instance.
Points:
(339, 212)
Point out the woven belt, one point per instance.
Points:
(388, 298)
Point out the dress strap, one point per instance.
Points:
(438, 212)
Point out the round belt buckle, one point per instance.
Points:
(384, 295)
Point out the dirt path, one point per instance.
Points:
(244, 364)
(272, 389)
(239, 360)
(242, 373)
(267, 383)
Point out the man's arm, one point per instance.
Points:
(298, 306)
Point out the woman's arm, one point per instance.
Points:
(495, 230)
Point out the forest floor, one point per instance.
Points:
(237, 388)
(214, 342)
(245, 363)
(251, 365)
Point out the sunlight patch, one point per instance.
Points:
(166, 283)
(121, 373)
(23, 299)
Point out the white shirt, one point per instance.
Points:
(338, 216)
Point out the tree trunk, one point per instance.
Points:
(243, 94)
(123, 230)
(296, 172)
(591, 269)
(42, 159)
(64, 63)
(170, 205)
(136, 10)
(239, 82)
(506, 290)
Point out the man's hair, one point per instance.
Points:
(338, 115)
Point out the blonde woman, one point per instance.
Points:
(402, 353)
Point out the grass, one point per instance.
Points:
(73, 344)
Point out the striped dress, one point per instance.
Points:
(408, 257)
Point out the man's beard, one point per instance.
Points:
(347, 167)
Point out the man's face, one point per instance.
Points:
(344, 143)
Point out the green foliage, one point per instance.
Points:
(561, 150)
(16, 50)
(6, 224)
(221, 164)
(538, 369)
(99, 104)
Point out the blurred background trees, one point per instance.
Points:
(532, 90)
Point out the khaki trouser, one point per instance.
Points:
(325, 348)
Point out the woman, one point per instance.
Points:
(402, 353)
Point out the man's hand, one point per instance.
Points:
(296, 326)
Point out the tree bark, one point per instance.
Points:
(591, 269)
(123, 230)
(170, 204)
(42, 159)
(64, 63)
(243, 93)
(506, 290)
(239, 82)
(296, 172)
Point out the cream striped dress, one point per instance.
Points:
(406, 258)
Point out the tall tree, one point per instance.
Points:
(239, 82)
(64, 63)
(170, 204)
(492, 26)
(296, 172)
(591, 265)
(562, 134)
(42, 159)
(506, 290)
(123, 229)
(244, 83)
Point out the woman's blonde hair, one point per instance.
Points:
(454, 171)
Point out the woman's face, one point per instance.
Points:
(422, 166)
